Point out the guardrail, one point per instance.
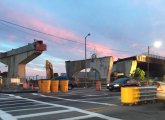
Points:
(135, 95)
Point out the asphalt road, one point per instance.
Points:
(85, 103)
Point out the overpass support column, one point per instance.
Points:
(21, 70)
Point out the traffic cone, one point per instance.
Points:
(32, 87)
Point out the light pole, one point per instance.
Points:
(36, 76)
(156, 44)
(148, 64)
(86, 58)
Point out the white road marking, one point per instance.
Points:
(6, 116)
(18, 97)
(79, 117)
(10, 95)
(76, 92)
(14, 100)
(23, 106)
(107, 104)
(94, 95)
(89, 114)
(16, 103)
(30, 109)
(34, 94)
(6, 98)
(1, 94)
(97, 98)
(41, 114)
(75, 109)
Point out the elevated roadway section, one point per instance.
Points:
(128, 65)
(102, 65)
(16, 59)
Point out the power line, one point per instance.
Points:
(20, 30)
(39, 31)
(62, 44)
(59, 37)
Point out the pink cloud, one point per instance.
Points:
(11, 37)
(102, 50)
(38, 24)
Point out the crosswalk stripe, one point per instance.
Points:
(23, 106)
(30, 109)
(16, 103)
(41, 114)
(6, 116)
(76, 109)
(88, 114)
(107, 104)
(13, 100)
(79, 117)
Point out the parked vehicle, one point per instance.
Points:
(72, 81)
(122, 82)
(161, 91)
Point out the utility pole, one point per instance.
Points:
(148, 64)
(85, 60)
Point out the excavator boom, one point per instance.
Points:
(49, 70)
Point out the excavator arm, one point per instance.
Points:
(49, 70)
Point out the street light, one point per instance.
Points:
(156, 44)
(148, 65)
(36, 76)
(86, 58)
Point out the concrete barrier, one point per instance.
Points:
(134, 95)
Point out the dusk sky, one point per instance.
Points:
(118, 28)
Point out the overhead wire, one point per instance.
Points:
(58, 37)
(62, 44)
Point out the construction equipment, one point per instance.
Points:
(49, 70)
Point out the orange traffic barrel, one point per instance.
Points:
(25, 85)
(39, 85)
(45, 85)
(98, 85)
(64, 85)
(54, 86)
(0, 81)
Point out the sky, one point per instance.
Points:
(118, 28)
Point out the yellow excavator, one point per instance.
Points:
(50, 75)
(49, 70)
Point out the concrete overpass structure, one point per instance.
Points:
(102, 65)
(128, 65)
(16, 59)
